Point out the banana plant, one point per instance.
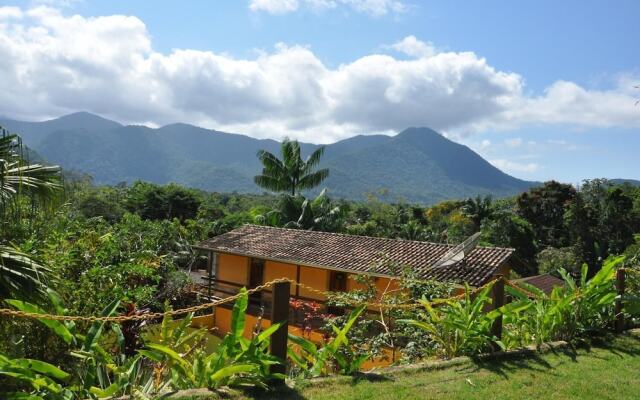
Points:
(569, 311)
(333, 356)
(100, 374)
(180, 359)
(459, 326)
(46, 380)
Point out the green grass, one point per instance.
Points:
(608, 369)
(602, 371)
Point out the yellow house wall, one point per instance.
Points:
(316, 278)
(233, 268)
(274, 270)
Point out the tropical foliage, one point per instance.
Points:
(21, 275)
(126, 249)
(290, 174)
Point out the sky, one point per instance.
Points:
(541, 89)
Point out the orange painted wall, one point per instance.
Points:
(233, 268)
(274, 270)
(316, 278)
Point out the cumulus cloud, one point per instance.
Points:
(374, 8)
(411, 46)
(10, 12)
(54, 64)
(274, 6)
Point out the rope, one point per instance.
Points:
(122, 318)
(521, 289)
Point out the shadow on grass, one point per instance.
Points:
(620, 346)
(369, 377)
(280, 392)
(510, 363)
(504, 365)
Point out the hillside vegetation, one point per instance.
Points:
(417, 165)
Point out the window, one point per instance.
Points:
(337, 281)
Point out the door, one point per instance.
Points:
(256, 278)
(337, 283)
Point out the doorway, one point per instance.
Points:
(256, 278)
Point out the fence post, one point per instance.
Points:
(280, 314)
(497, 301)
(620, 286)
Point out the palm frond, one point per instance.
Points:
(20, 276)
(313, 159)
(314, 179)
(270, 183)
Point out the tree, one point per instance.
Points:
(20, 275)
(601, 222)
(298, 212)
(162, 202)
(478, 209)
(506, 229)
(544, 207)
(292, 173)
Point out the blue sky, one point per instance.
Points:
(542, 89)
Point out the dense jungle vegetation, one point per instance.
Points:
(70, 247)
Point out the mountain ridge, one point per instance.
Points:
(417, 165)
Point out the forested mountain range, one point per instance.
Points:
(417, 165)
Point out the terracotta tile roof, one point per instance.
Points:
(357, 253)
(544, 282)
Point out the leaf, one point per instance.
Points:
(305, 344)
(108, 392)
(56, 326)
(42, 368)
(96, 328)
(237, 315)
(232, 370)
(169, 353)
(266, 334)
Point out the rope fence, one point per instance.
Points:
(378, 304)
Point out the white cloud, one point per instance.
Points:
(274, 6)
(54, 64)
(10, 12)
(411, 46)
(374, 8)
(514, 167)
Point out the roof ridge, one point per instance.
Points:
(369, 237)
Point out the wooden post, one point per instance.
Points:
(620, 286)
(209, 273)
(280, 314)
(497, 296)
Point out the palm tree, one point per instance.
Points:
(292, 173)
(478, 209)
(21, 276)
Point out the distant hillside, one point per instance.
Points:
(417, 165)
(632, 182)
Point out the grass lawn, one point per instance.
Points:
(605, 370)
(608, 369)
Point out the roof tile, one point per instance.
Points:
(359, 254)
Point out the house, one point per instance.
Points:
(544, 282)
(251, 255)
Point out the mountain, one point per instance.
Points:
(416, 165)
(619, 181)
